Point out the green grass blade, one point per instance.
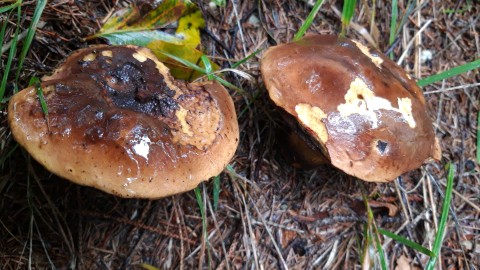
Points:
(41, 99)
(237, 64)
(449, 73)
(437, 244)
(381, 252)
(365, 244)
(43, 104)
(216, 192)
(308, 21)
(347, 14)
(10, 7)
(399, 26)
(393, 24)
(372, 229)
(185, 62)
(200, 202)
(11, 55)
(199, 197)
(38, 88)
(204, 71)
(407, 242)
(30, 34)
(229, 85)
(410, 6)
(393, 21)
(208, 66)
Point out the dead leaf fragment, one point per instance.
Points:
(403, 263)
(392, 209)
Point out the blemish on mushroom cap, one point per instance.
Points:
(312, 117)
(362, 100)
(363, 104)
(107, 53)
(377, 60)
(89, 57)
(124, 132)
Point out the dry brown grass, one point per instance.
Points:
(270, 215)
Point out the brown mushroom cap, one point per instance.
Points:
(117, 121)
(361, 109)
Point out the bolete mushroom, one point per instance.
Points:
(352, 105)
(119, 122)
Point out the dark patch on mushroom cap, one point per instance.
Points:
(118, 121)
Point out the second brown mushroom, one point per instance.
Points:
(351, 106)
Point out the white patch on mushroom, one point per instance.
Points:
(361, 100)
(181, 115)
(140, 57)
(89, 57)
(405, 108)
(312, 82)
(130, 180)
(142, 147)
(312, 117)
(365, 50)
(107, 53)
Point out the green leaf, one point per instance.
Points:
(189, 28)
(140, 38)
(131, 26)
(133, 20)
(449, 73)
